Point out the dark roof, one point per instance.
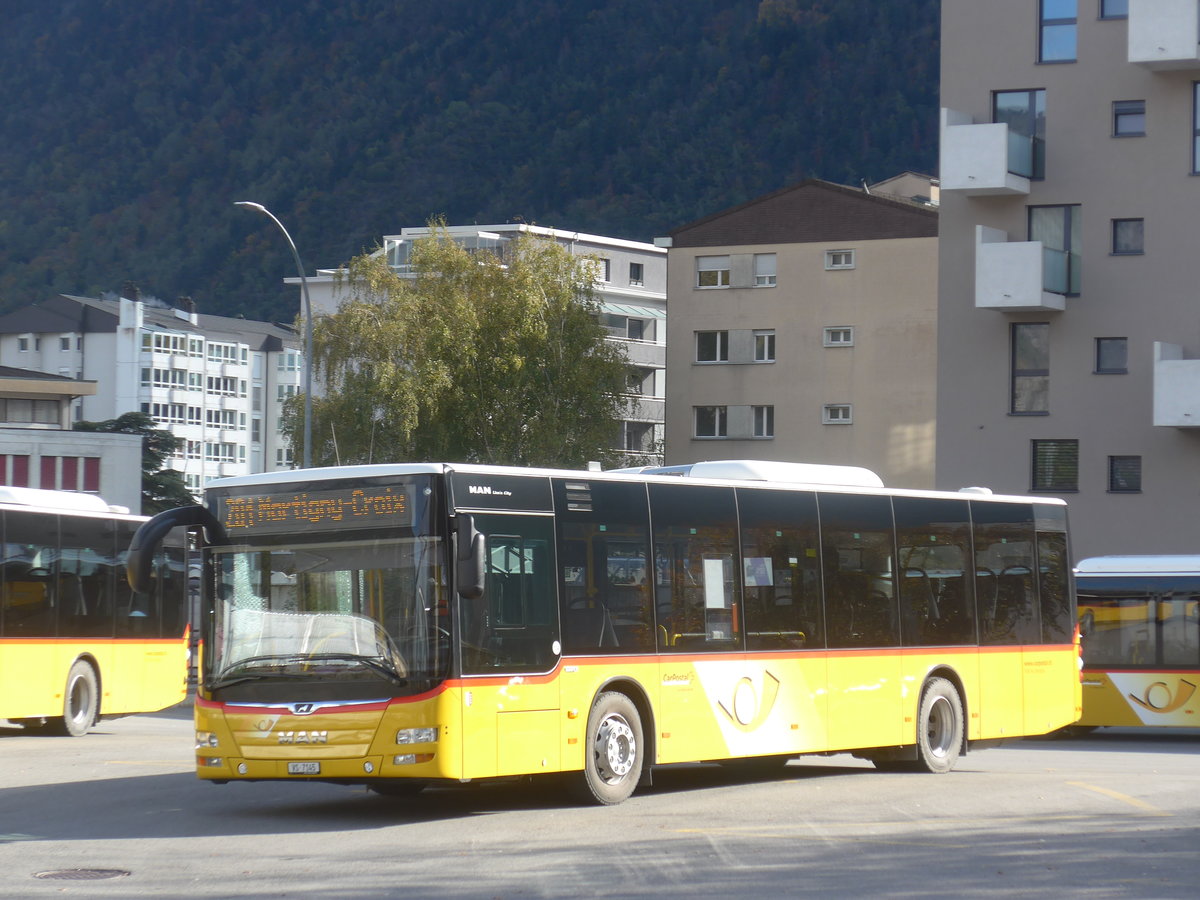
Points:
(30, 375)
(87, 315)
(812, 211)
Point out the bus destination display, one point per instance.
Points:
(378, 506)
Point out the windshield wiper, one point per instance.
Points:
(380, 664)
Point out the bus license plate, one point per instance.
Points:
(304, 768)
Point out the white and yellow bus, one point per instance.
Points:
(76, 643)
(1140, 617)
(396, 625)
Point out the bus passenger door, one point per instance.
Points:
(509, 643)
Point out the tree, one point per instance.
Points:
(161, 488)
(477, 358)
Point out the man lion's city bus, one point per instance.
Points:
(401, 625)
(1140, 618)
(76, 643)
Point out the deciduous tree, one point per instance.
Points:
(477, 357)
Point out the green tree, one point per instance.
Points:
(477, 358)
(161, 488)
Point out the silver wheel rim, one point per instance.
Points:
(80, 700)
(616, 748)
(939, 728)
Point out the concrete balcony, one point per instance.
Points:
(1164, 35)
(644, 353)
(1176, 387)
(1011, 275)
(982, 160)
(642, 408)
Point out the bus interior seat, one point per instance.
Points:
(590, 626)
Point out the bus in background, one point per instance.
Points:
(1140, 619)
(397, 625)
(76, 643)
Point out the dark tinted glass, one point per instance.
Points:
(937, 592)
(858, 553)
(1005, 566)
(695, 549)
(781, 569)
(604, 567)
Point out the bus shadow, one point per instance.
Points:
(177, 805)
(1141, 740)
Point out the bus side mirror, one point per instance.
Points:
(470, 569)
(139, 564)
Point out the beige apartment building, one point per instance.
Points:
(803, 328)
(1069, 322)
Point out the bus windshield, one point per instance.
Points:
(366, 616)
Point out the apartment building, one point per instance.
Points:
(803, 329)
(1069, 331)
(216, 382)
(631, 287)
(38, 449)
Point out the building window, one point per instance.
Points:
(1055, 465)
(1114, 9)
(1112, 356)
(1058, 229)
(1124, 474)
(764, 270)
(1024, 112)
(712, 346)
(637, 273)
(712, 271)
(838, 336)
(1030, 372)
(1127, 237)
(839, 259)
(1129, 118)
(711, 421)
(1058, 32)
(23, 344)
(764, 421)
(837, 414)
(604, 270)
(764, 346)
(1196, 127)
(64, 343)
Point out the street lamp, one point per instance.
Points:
(308, 335)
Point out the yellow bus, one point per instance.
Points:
(76, 644)
(397, 625)
(1140, 618)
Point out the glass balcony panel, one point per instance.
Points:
(1055, 271)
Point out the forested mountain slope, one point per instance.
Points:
(128, 128)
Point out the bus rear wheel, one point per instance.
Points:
(939, 727)
(81, 702)
(614, 751)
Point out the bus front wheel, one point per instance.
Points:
(939, 727)
(81, 701)
(615, 750)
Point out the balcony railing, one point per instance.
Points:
(1164, 34)
(1011, 276)
(985, 159)
(1176, 387)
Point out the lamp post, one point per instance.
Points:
(308, 329)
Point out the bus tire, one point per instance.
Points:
(81, 701)
(615, 751)
(939, 727)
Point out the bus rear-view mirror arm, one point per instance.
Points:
(139, 564)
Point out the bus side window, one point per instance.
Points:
(605, 573)
(1005, 561)
(695, 546)
(858, 556)
(933, 538)
(781, 569)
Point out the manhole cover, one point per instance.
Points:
(81, 874)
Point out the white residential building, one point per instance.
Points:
(217, 383)
(632, 290)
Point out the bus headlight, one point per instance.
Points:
(416, 735)
(411, 759)
(210, 762)
(206, 739)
